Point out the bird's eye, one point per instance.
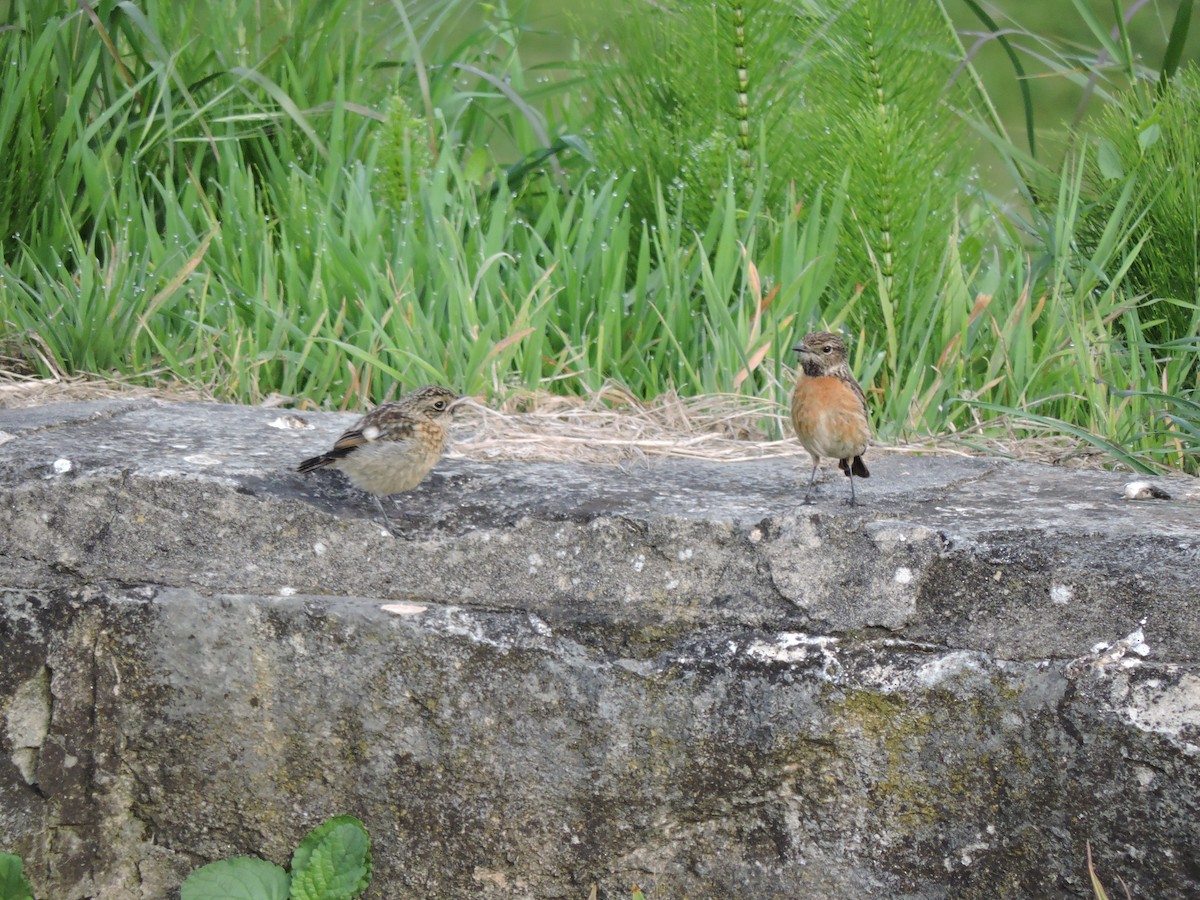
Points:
(828, 348)
(439, 405)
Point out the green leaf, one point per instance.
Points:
(1109, 160)
(13, 885)
(1149, 136)
(476, 166)
(333, 862)
(240, 878)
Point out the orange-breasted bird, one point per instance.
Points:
(829, 410)
(393, 447)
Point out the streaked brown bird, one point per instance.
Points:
(393, 447)
(829, 410)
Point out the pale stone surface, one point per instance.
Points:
(565, 675)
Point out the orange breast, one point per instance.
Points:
(829, 418)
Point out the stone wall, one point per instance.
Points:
(560, 676)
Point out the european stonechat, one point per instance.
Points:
(829, 410)
(393, 447)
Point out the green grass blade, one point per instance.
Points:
(1116, 451)
(1175, 45)
(1022, 80)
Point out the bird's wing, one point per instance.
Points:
(349, 440)
(384, 423)
(857, 388)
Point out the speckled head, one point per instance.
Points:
(825, 346)
(432, 401)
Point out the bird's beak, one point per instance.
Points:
(798, 349)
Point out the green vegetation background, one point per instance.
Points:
(333, 200)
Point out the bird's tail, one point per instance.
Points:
(315, 462)
(857, 467)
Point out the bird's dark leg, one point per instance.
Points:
(811, 480)
(851, 501)
(390, 527)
